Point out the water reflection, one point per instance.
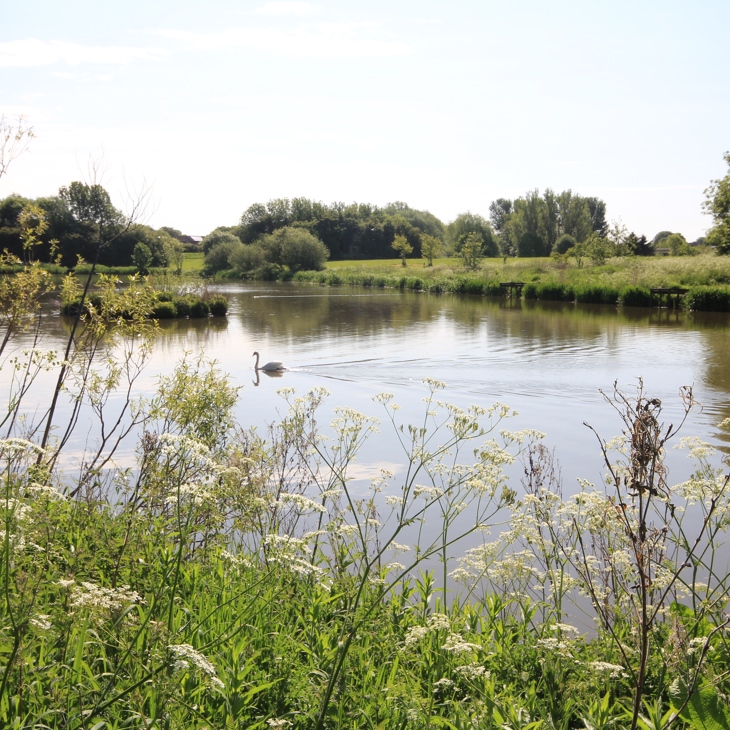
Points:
(547, 360)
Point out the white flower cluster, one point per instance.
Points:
(615, 671)
(94, 597)
(456, 645)
(473, 671)
(186, 657)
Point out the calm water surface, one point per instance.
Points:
(547, 361)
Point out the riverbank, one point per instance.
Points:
(621, 281)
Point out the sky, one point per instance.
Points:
(213, 106)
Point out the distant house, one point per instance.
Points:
(190, 240)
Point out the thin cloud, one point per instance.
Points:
(32, 52)
(287, 8)
(324, 40)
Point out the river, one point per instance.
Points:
(548, 361)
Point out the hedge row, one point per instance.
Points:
(701, 299)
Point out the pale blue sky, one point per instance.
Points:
(221, 104)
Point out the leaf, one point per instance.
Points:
(441, 722)
(704, 711)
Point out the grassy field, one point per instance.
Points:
(653, 271)
(625, 281)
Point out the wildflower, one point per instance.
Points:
(187, 657)
(438, 621)
(456, 644)
(472, 671)
(94, 597)
(278, 723)
(616, 670)
(397, 547)
(415, 634)
(303, 503)
(41, 622)
(443, 683)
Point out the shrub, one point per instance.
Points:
(164, 310)
(708, 299)
(596, 295)
(635, 296)
(198, 309)
(555, 292)
(182, 305)
(218, 306)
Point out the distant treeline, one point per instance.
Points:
(81, 221)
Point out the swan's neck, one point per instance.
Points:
(256, 366)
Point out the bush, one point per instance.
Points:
(198, 309)
(247, 257)
(554, 292)
(295, 248)
(708, 299)
(218, 306)
(182, 305)
(219, 257)
(635, 296)
(596, 295)
(164, 310)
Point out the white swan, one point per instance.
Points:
(272, 366)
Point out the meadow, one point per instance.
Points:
(624, 280)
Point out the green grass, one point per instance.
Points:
(625, 281)
(193, 262)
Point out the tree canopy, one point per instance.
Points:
(354, 231)
(717, 204)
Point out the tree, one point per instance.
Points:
(466, 223)
(717, 204)
(174, 250)
(678, 246)
(639, 245)
(430, 248)
(598, 249)
(401, 245)
(565, 243)
(219, 235)
(499, 211)
(471, 250)
(219, 257)
(295, 248)
(248, 258)
(142, 258)
(100, 227)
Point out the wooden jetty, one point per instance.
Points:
(511, 289)
(667, 296)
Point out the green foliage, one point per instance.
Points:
(248, 258)
(295, 248)
(430, 248)
(708, 299)
(142, 258)
(218, 236)
(471, 250)
(717, 204)
(402, 247)
(678, 246)
(219, 257)
(358, 230)
(164, 310)
(565, 243)
(471, 223)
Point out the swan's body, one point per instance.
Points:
(270, 367)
